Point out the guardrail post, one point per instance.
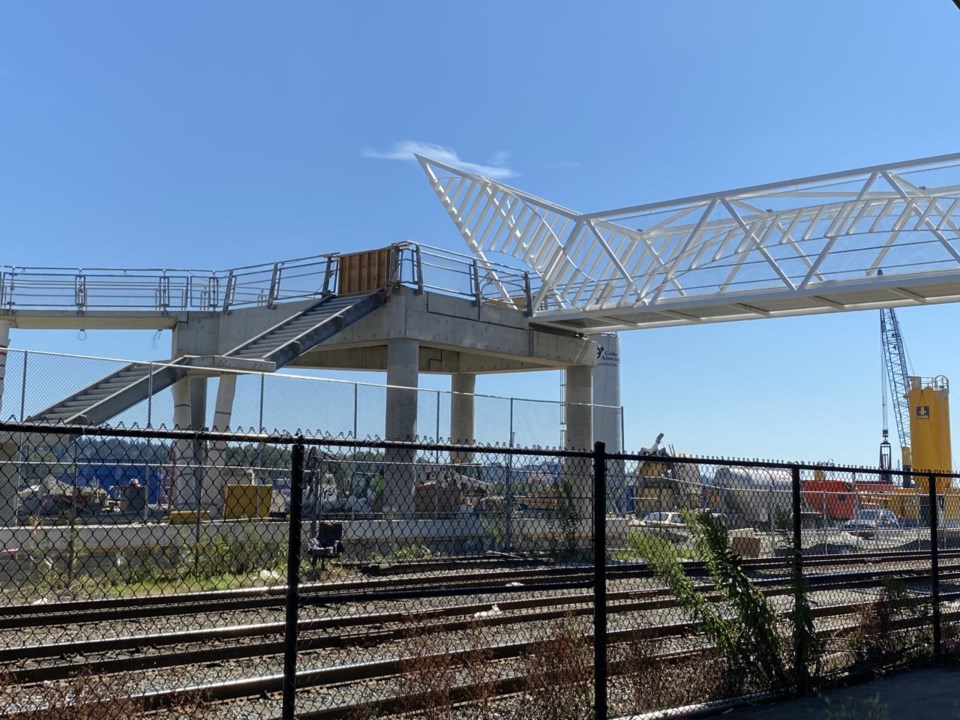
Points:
(80, 291)
(527, 294)
(11, 286)
(395, 274)
(475, 281)
(163, 293)
(799, 651)
(327, 274)
(293, 582)
(274, 285)
(418, 268)
(600, 580)
(935, 566)
(228, 292)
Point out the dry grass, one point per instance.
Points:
(559, 673)
(877, 641)
(89, 697)
(649, 682)
(437, 667)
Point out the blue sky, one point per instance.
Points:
(220, 134)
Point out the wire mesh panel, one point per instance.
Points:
(198, 573)
(689, 617)
(52, 378)
(866, 543)
(442, 584)
(307, 404)
(12, 397)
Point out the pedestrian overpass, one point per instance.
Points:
(539, 281)
(873, 237)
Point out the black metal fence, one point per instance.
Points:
(194, 574)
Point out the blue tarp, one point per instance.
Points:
(113, 478)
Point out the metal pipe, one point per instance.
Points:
(4, 344)
(799, 653)
(150, 395)
(23, 388)
(600, 580)
(935, 567)
(293, 579)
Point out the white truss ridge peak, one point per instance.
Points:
(866, 238)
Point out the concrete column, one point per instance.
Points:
(226, 391)
(198, 402)
(4, 344)
(578, 408)
(9, 448)
(462, 405)
(200, 493)
(181, 404)
(182, 472)
(607, 416)
(578, 472)
(217, 456)
(403, 367)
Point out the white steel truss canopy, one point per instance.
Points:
(873, 237)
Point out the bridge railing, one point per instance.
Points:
(267, 284)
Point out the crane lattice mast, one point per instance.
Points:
(895, 358)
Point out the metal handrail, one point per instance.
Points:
(166, 290)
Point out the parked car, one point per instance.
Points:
(872, 519)
(663, 519)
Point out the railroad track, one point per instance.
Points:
(343, 631)
(352, 675)
(113, 609)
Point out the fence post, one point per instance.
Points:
(293, 580)
(600, 580)
(23, 388)
(799, 651)
(935, 565)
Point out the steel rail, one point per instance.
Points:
(620, 602)
(385, 669)
(79, 612)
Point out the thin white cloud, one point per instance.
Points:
(562, 164)
(496, 168)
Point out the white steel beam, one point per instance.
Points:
(804, 245)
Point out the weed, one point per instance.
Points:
(652, 681)
(92, 697)
(413, 551)
(871, 709)
(436, 666)
(877, 639)
(749, 640)
(559, 675)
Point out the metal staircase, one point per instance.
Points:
(113, 394)
(284, 342)
(294, 336)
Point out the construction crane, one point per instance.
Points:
(898, 377)
(921, 408)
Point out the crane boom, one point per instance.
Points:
(895, 359)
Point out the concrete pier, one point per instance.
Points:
(462, 417)
(403, 367)
(578, 472)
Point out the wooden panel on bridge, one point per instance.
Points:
(364, 272)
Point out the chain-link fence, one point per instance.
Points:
(209, 575)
